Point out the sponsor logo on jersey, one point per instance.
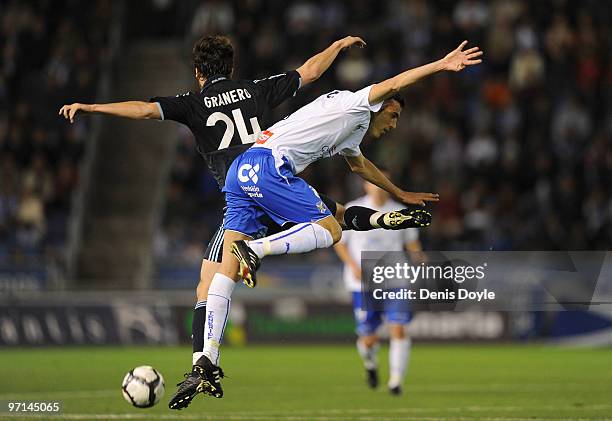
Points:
(252, 191)
(264, 136)
(326, 152)
(248, 172)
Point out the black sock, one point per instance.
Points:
(358, 218)
(197, 326)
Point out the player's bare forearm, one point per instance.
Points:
(137, 110)
(394, 85)
(343, 254)
(363, 167)
(454, 61)
(315, 66)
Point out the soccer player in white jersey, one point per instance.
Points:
(396, 313)
(263, 180)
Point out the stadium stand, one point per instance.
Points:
(51, 52)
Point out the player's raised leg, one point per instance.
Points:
(300, 238)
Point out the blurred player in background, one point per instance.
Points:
(396, 314)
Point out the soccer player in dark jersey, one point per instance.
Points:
(224, 117)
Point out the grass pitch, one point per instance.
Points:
(501, 383)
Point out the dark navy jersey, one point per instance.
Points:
(226, 115)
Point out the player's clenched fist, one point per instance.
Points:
(69, 111)
(417, 198)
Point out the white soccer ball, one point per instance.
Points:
(143, 386)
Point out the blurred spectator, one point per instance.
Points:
(481, 150)
(31, 222)
(211, 17)
(48, 51)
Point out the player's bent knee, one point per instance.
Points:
(336, 232)
(369, 340)
(229, 267)
(397, 331)
(332, 226)
(339, 215)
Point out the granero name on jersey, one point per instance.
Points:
(226, 98)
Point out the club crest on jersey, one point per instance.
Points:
(321, 206)
(264, 136)
(248, 172)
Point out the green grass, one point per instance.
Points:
(501, 383)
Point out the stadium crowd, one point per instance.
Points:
(519, 148)
(51, 52)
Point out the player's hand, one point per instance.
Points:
(458, 60)
(356, 270)
(349, 41)
(69, 111)
(417, 198)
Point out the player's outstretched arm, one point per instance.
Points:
(363, 167)
(130, 109)
(316, 65)
(454, 61)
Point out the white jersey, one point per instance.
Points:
(334, 123)
(374, 240)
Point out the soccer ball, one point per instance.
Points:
(143, 386)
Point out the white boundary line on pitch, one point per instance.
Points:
(369, 411)
(325, 414)
(229, 416)
(461, 387)
(366, 411)
(63, 394)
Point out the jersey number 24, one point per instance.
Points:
(231, 125)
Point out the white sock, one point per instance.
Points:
(369, 356)
(399, 354)
(298, 239)
(217, 311)
(196, 356)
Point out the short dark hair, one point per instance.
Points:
(398, 98)
(214, 55)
